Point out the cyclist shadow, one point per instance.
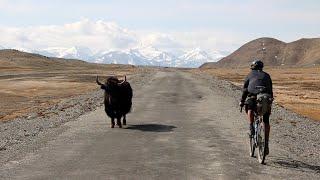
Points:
(296, 165)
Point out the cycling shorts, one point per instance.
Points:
(251, 104)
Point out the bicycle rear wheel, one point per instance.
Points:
(251, 146)
(261, 143)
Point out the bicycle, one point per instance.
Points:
(258, 139)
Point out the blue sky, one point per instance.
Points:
(226, 23)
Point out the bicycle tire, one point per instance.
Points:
(261, 143)
(252, 146)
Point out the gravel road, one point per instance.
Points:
(182, 126)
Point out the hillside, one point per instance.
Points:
(304, 52)
(145, 55)
(31, 82)
(14, 59)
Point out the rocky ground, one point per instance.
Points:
(295, 138)
(23, 135)
(290, 131)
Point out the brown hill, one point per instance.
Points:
(14, 59)
(32, 83)
(304, 52)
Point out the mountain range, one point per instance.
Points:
(144, 55)
(273, 52)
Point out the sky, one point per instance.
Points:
(170, 25)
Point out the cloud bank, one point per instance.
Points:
(103, 35)
(96, 35)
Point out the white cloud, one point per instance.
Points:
(101, 35)
(162, 41)
(94, 34)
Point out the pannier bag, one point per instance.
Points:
(264, 102)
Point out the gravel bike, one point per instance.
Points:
(257, 140)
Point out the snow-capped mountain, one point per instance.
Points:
(196, 57)
(143, 55)
(76, 52)
(2, 47)
(217, 55)
(195, 54)
(122, 57)
(155, 56)
(149, 56)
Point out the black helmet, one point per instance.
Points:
(257, 65)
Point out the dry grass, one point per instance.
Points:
(297, 89)
(25, 90)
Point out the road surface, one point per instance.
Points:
(179, 128)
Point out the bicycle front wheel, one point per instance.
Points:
(251, 146)
(261, 143)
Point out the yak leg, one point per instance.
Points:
(112, 123)
(119, 122)
(124, 120)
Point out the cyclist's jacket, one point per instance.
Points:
(256, 78)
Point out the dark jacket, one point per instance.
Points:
(256, 78)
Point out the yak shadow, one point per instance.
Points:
(152, 127)
(296, 165)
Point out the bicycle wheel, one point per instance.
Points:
(251, 146)
(261, 143)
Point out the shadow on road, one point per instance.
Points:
(296, 165)
(152, 127)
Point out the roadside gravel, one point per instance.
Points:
(27, 134)
(296, 136)
(294, 141)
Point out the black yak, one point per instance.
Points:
(117, 99)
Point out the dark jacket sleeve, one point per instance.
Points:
(270, 87)
(245, 89)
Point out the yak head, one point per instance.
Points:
(111, 85)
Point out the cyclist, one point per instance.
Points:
(257, 77)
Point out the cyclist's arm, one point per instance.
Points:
(270, 89)
(245, 89)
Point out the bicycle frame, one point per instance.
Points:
(257, 122)
(258, 139)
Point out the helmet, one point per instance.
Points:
(256, 65)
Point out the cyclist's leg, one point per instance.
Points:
(250, 116)
(250, 109)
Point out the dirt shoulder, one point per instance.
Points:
(182, 125)
(34, 91)
(297, 136)
(32, 130)
(297, 89)
(292, 132)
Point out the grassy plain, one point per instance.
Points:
(297, 89)
(25, 89)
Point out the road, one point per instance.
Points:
(179, 128)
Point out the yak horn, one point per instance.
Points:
(98, 82)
